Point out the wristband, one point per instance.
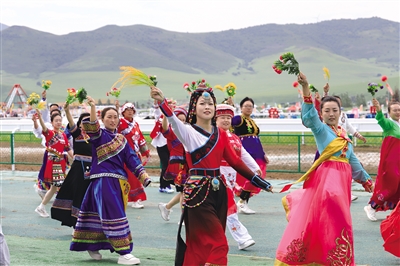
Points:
(257, 181)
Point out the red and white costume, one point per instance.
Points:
(136, 140)
(205, 192)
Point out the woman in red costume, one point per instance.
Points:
(177, 167)
(205, 192)
(131, 130)
(320, 230)
(387, 187)
(56, 144)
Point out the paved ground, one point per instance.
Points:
(33, 240)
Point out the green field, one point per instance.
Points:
(262, 84)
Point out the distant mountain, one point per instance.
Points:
(356, 52)
(107, 48)
(3, 26)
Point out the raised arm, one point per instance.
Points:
(382, 120)
(180, 130)
(42, 124)
(302, 79)
(93, 115)
(71, 122)
(165, 123)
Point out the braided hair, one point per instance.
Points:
(191, 117)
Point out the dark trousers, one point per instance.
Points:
(163, 153)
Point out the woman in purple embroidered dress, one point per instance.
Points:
(247, 130)
(102, 221)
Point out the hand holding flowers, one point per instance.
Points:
(74, 95)
(46, 84)
(34, 101)
(286, 62)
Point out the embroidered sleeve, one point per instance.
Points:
(165, 108)
(74, 131)
(308, 99)
(92, 129)
(133, 162)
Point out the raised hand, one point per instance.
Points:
(302, 79)
(326, 88)
(156, 94)
(376, 104)
(90, 101)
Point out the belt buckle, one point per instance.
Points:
(215, 184)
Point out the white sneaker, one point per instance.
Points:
(42, 212)
(137, 204)
(353, 197)
(164, 211)
(244, 208)
(247, 244)
(95, 255)
(128, 259)
(370, 213)
(167, 190)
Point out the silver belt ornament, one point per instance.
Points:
(215, 184)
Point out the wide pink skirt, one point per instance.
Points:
(319, 231)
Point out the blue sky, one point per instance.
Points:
(65, 16)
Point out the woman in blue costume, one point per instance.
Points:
(102, 221)
(320, 231)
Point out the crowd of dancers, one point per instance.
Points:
(211, 155)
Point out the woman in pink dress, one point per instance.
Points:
(320, 230)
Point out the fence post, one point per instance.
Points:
(298, 152)
(12, 148)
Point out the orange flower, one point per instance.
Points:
(71, 92)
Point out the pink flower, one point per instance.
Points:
(384, 78)
(295, 84)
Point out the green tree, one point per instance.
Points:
(360, 99)
(346, 100)
(396, 96)
(99, 102)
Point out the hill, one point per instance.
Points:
(355, 51)
(3, 26)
